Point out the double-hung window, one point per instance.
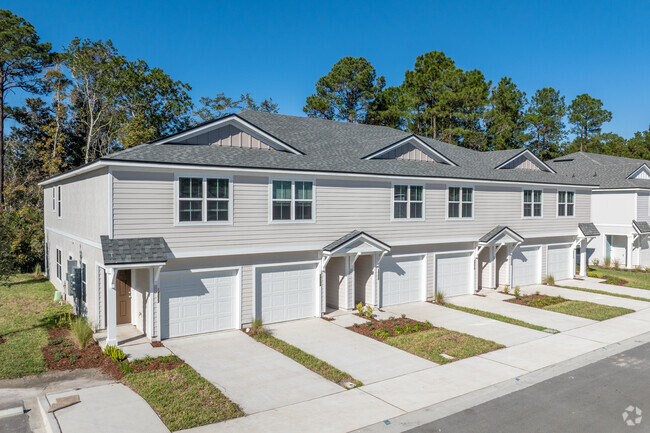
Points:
(408, 202)
(58, 264)
(204, 199)
(460, 202)
(565, 203)
(53, 199)
(58, 200)
(532, 203)
(292, 200)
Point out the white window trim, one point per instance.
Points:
(58, 274)
(85, 277)
(532, 210)
(557, 204)
(293, 181)
(460, 203)
(59, 214)
(408, 202)
(53, 199)
(204, 199)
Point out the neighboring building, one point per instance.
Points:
(620, 205)
(282, 217)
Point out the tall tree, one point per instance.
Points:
(467, 109)
(388, 108)
(346, 92)
(222, 105)
(587, 115)
(639, 145)
(544, 118)
(22, 59)
(505, 124)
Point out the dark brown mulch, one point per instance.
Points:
(389, 325)
(530, 300)
(70, 357)
(329, 319)
(157, 344)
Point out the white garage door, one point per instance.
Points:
(197, 302)
(526, 266)
(401, 280)
(454, 274)
(559, 261)
(286, 292)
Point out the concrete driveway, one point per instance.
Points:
(363, 358)
(599, 284)
(577, 295)
(251, 374)
(482, 327)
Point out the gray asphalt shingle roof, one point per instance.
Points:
(494, 232)
(330, 146)
(605, 171)
(588, 229)
(641, 226)
(133, 250)
(347, 238)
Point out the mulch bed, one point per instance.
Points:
(530, 300)
(157, 344)
(61, 353)
(391, 325)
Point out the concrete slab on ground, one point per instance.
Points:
(336, 413)
(482, 327)
(142, 350)
(251, 374)
(544, 352)
(347, 320)
(109, 408)
(494, 303)
(598, 284)
(362, 357)
(577, 295)
(427, 387)
(612, 330)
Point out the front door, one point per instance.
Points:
(123, 288)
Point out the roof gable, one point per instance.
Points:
(525, 160)
(642, 227)
(500, 235)
(355, 242)
(411, 149)
(642, 172)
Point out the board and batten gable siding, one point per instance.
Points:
(522, 162)
(407, 152)
(84, 206)
(229, 136)
(144, 206)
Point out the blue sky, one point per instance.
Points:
(279, 49)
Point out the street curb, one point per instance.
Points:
(49, 420)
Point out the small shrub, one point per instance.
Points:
(595, 262)
(73, 359)
(38, 271)
(537, 293)
(599, 275)
(517, 292)
(391, 318)
(591, 274)
(549, 280)
(398, 330)
(81, 332)
(115, 353)
(418, 327)
(408, 329)
(365, 310)
(126, 368)
(58, 355)
(647, 269)
(608, 262)
(440, 298)
(506, 289)
(55, 342)
(369, 323)
(63, 320)
(616, 264)
(428, 324)
(403, 316)
(356, 325)
(257, 327)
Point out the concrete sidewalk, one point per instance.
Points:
(598, 284)
(585, 296)
(482, 327)
(251, 374)
(493, 302)
(363, 358)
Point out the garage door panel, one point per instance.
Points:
(286, 292)
(559, 261)
(401, 279)
(453, 274)
(526, 266)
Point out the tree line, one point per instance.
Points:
(87, 100)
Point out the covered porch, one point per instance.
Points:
(493, 262)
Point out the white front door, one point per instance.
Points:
(197, 302)
(454, 274)
(286, 292)
(526, 266)
(401, 280)
(559, 262)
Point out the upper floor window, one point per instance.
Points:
(58, 200)
(408, 201)
(460, 202)
(58, 264)
(203, 199)
(565, 203)
(292, 200)
(532, 203)
(53, 199)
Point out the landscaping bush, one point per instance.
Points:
(440, 298)
(365, 311)
(81, 332)
(617, 264)
(114, 353)
(595, 262)
(608, 262)
(38, 271)
(506, 289)
(549, 280)
(517, 292)
(63, 320)
(257, 327)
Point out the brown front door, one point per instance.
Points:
(123, 287)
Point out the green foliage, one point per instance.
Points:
(21, 239)
(616, 264)
(506, 289)
(257, 327)
(365, 311)
(587, 115)
(81, 332)
(608, 262)
(595, 262)
(222, 105)
(517, 292)
(126, 367)
(506, 128)
(544, 117)
(440, 297)
(346, 92)
(114, 353)
(64, 320)
(549, 280)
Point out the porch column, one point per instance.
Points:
(154, 310)
(375, 277)
(493, 267)
(111, 307)
(629, 252)
(583, 258)
(509, 252)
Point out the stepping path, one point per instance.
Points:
(482, 327)
(493, 302)
(362, 357)
(577, 295)
(596, 284)
(251, 374)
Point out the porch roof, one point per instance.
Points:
(133, 250)
(490, 236)
(642, 227)
(588, 229)
(353, 236)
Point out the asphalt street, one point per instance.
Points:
(590, 399)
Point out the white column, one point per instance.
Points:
(583, 258)
(111, 307)
(493, 267)
(154, 335)
(375, 277)
(628, 255)
(510, 250)
(156, 302)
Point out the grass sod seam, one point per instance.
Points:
(603, 292)
(501, 318)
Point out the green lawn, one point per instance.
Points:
(27, 311)
(316, 365)
(640, 280)
(433, 343)
(588, 310)
(604, 292)
(499, 317)
(182, 398)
